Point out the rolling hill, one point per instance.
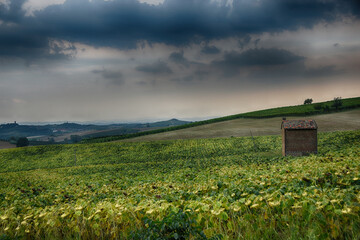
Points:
(263, 122)
(341, 121)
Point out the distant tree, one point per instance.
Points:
(13, 140)
(22, 142)
(52, 140)
(75, 138)
(308, 101)
(337, 103)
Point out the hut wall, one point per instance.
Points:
(300, 142)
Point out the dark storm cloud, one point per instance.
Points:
(113, 77)
(210, 50)
(155, 68)
(243, 42)
(292, 74)
(265, 66)
(12, 12)
(257, 57)
(178, 57)
(122, 24)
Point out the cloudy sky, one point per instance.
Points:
(139, 60)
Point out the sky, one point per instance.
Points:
(148, 60)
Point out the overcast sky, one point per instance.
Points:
(129, 60)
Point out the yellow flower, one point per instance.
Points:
(346, 210)
(27, 217)
(149, 211)
(274, 204)
(236, 209)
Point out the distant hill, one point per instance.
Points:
(132, 128)
(49, 133)
(299, 110)
(168, 123)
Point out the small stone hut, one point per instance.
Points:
(299, 137)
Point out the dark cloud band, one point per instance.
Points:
(122, 23)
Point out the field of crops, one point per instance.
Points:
(299, 110)
(229, 188)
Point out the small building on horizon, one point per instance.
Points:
(299, 137)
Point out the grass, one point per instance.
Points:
(300, 110)
(182, 189)
(340, 121)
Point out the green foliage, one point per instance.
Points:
(177, 225)
(300, 110)
(75, 138)
(22, 142)
(308, 101)
(337, 103)
(216, 187)
(318, 106)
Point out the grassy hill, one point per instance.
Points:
(182, 189)
(340, 121)
(300, 110)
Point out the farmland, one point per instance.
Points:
(247, 120)
(4, 145)
(341, 121)
(228, 188)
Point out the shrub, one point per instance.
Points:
(337, 103)
(308, 101)
(22, 142)
(176, 225)
(318, 106)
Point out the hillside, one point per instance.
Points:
(341, 121)
(4, 145)
(73, 132)
(182, 189)
(298, 111)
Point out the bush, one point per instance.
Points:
(180, 225)
(308, 101)
(318, 106)
(75, 138)
(337, 103)
(22, 142)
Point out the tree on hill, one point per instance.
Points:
(22, 142)
(308, 101)
(75, 138)
(337, 103)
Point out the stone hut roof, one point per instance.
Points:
(299, 124)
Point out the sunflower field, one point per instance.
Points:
(225, 188)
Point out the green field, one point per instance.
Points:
(229, 188)
(322, 108)
(340, 121)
